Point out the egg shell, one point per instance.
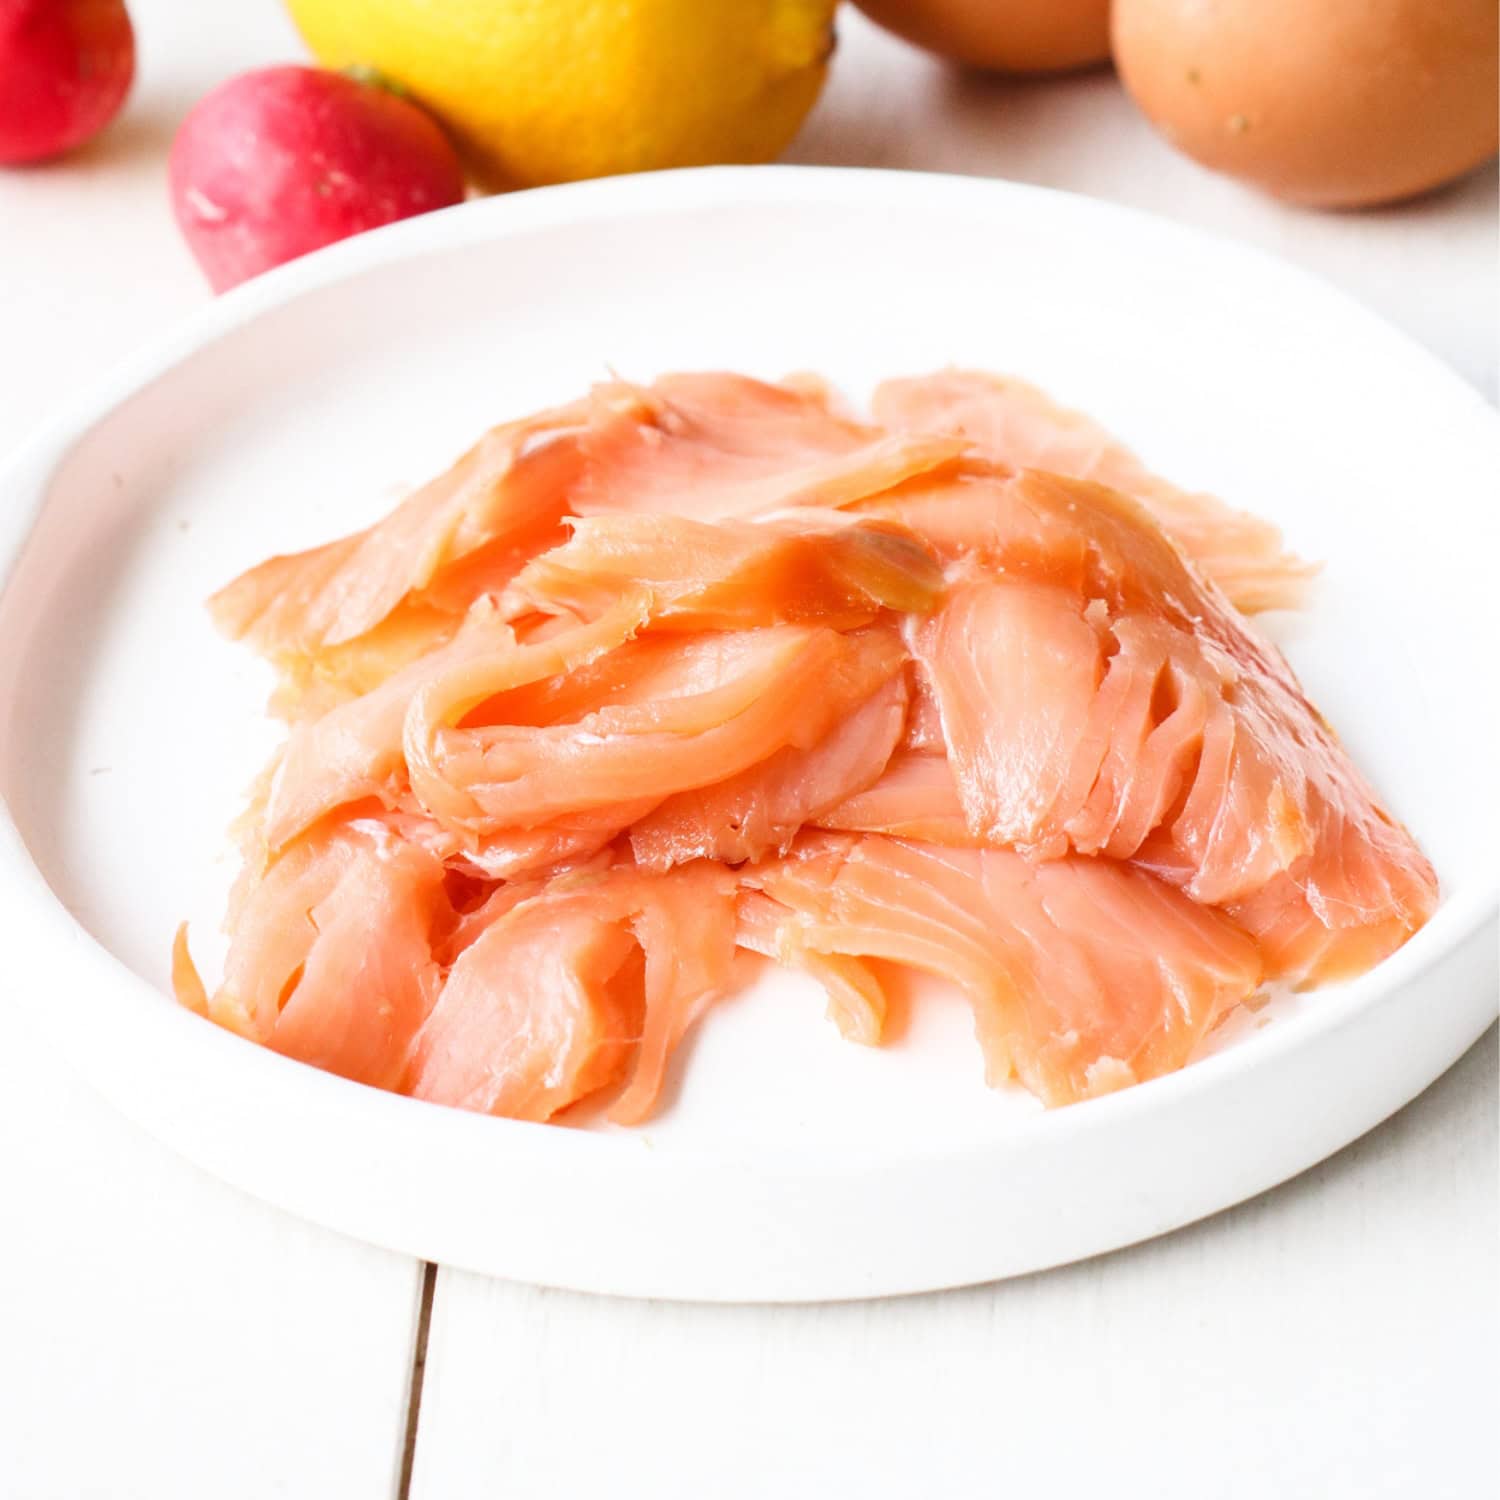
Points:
(1008, 36)
(1337, 103)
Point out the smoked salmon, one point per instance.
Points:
(715, 446)
(595, 977)
(712, 667)
(804, 566)
(1084, 975)
(1097, 695)
(1019, 425)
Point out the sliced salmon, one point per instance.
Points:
(540, 1010)
(915, 797)
(1097, 695)
(763, 807)
(715, 705)
(1023, 427)
(856, 999)
(511, 854)
(330, 959)
(357, 749)
(718, 445)
(733, 575)
(1357, 897)
(712, 666)
(1085, 975)
(924, 719)
(481, 519)
(592, 982)
(1053, 529)
(685, 924)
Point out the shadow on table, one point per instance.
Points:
(143, 132)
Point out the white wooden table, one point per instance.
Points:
(163, 1336)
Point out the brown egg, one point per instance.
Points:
(1330, 102)
(1012, 36)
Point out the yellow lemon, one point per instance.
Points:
(539, 91)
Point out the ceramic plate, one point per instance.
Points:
(788, 1165)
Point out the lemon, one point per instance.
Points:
(538, 91)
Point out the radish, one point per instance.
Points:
(284, 160)
(65, 68)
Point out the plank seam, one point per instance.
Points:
(418, 1373)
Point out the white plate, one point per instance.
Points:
(789, 1165)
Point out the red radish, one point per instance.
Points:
(284, 160)
(65, 68)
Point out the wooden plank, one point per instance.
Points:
(1334, 1338)
(164, 1336)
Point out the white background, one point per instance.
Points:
(163, 1336)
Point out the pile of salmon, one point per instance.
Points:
(653, 688)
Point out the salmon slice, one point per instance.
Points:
(474, 906)
(1097, 695)
(716, 445)
(1052, 529)
(339, 618)
(330, 960)
(355, 751)
(475, 901)
(924, 719)
(187, 984)
(310, 684)
(762, 808)
(562, 843)
(591, 982)
(514, 481)
(685, 924)
(1362, 893)
(1135, 739)
(717, 705)
(512, 854)
(915, 797)
(856, 999)
(734, 574)
(1021, 426)
(1085, 975)
(539, 1011)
